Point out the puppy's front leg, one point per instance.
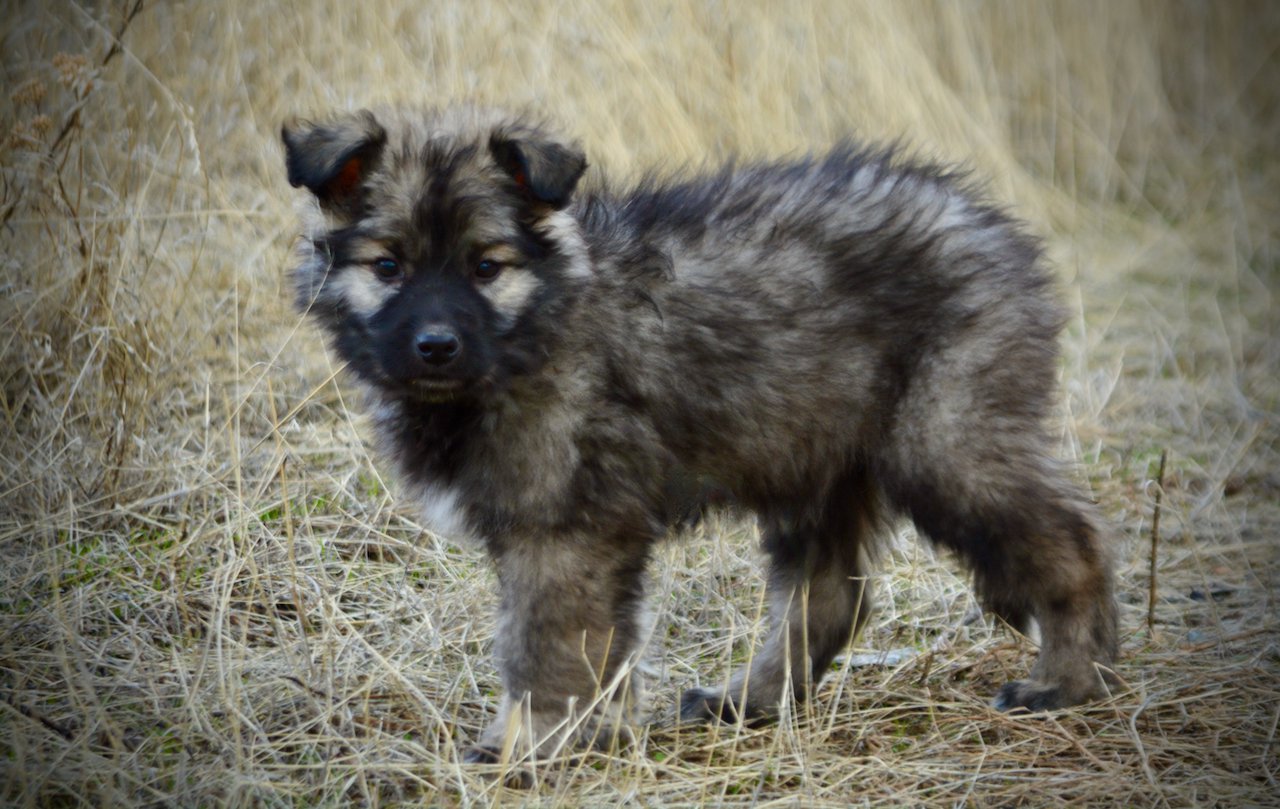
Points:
(568, 626)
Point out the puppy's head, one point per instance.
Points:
(438, 254)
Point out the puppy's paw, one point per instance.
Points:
(704, 705)
(1029, 696)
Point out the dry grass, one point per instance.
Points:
(210, 594)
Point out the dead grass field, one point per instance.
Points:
(210, 594)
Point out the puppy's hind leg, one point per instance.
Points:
(1065, 574)
(968, 458)
(818, 598)
(1036, 549)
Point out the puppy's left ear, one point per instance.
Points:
(545, 169)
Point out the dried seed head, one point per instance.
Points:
(31, 91)
(73, 69)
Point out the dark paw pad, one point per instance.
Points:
(1029, 697)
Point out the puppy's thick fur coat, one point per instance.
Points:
(835, 340)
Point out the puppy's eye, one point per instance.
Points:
(388, 269)
(488, 269)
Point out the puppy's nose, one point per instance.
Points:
(437, 346)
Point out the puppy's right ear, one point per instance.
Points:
(543, 168)
(333, 159)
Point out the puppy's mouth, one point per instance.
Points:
(436, 391)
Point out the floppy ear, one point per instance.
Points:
(545, 169)
(333, 158)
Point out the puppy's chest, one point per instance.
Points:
(501, 475)
(443, 510)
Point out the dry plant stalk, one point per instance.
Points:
(1153, 570)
